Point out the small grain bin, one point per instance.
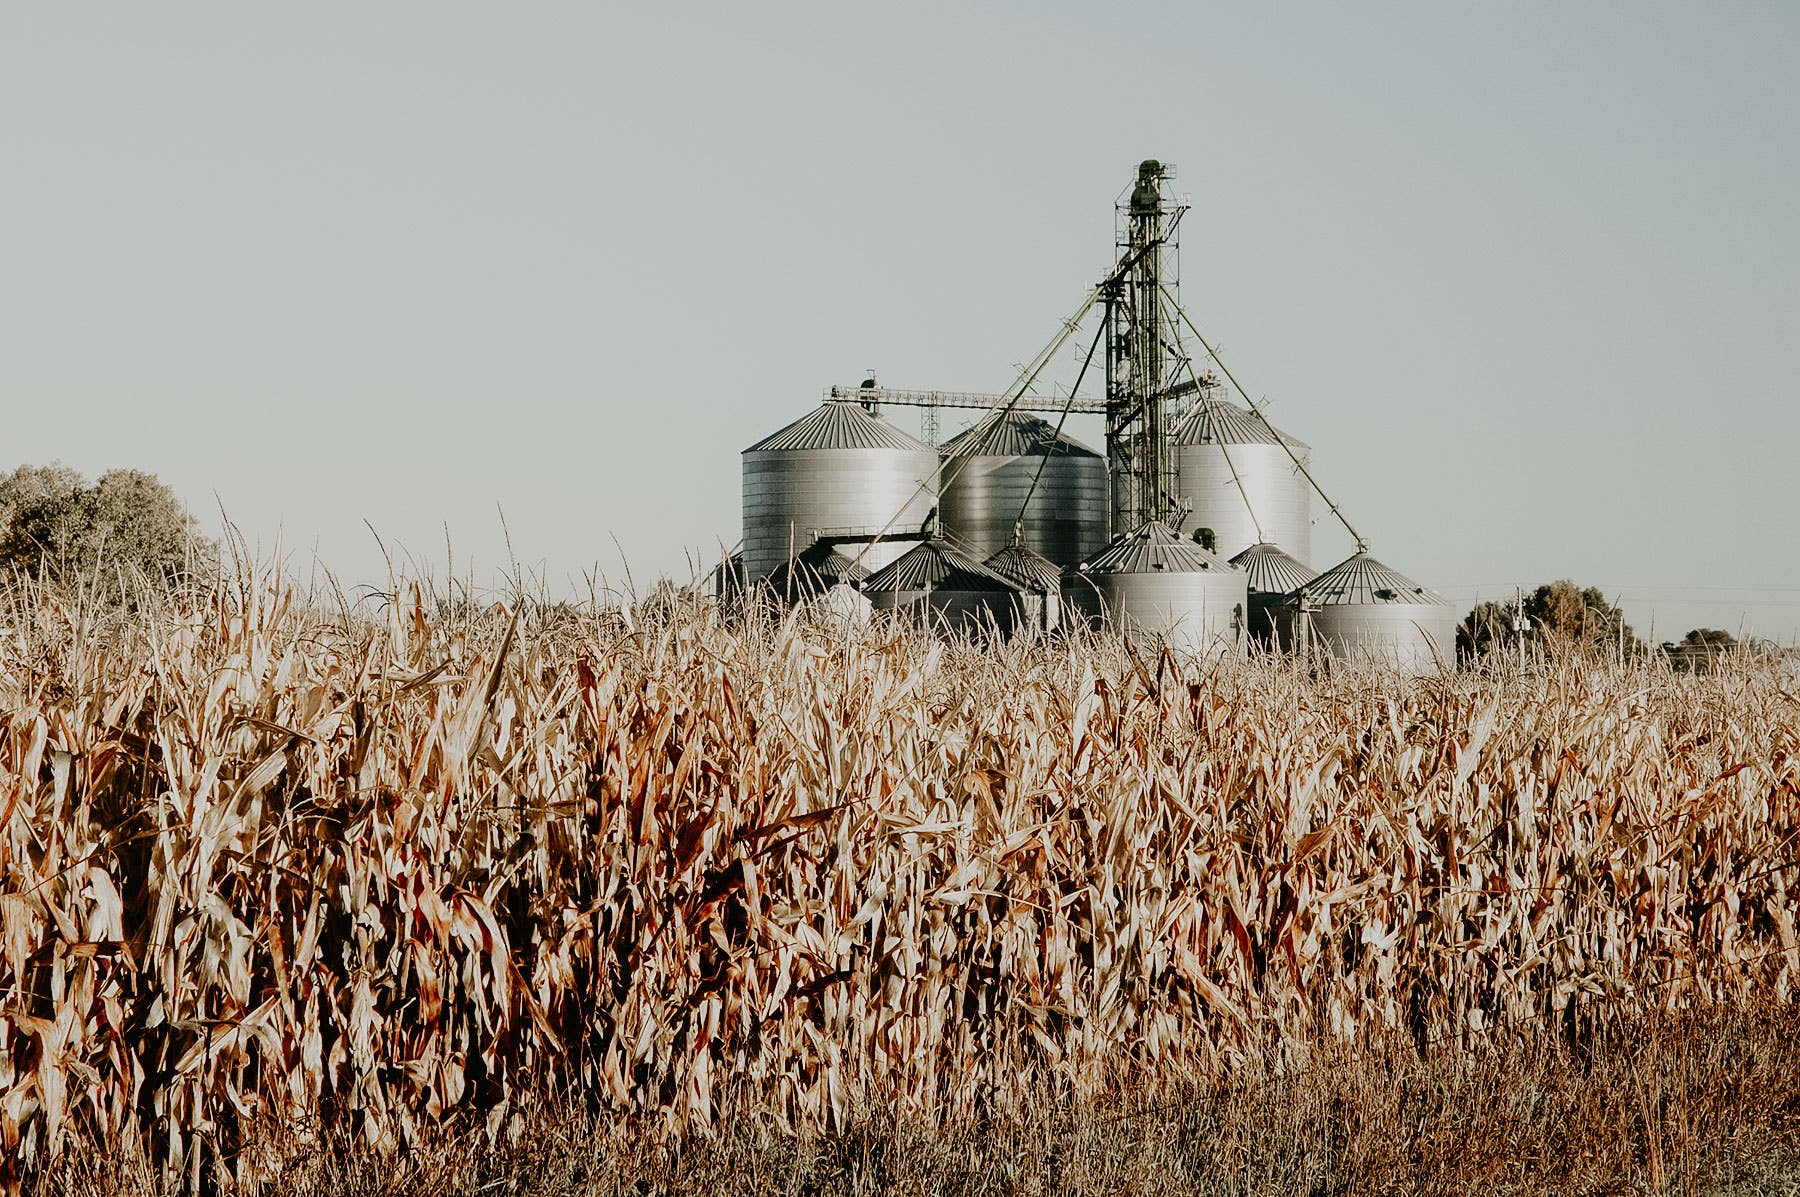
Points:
(943, 587)
(1150, 583)
(1272, 574)
(1040, 587)
(1361, 609)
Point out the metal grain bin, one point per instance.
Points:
(944, 587)
(989, 472)
(1152, 583)
(1361, 609)
(1217, 440)
(840, 473)
(817, 569)
(1040, 587)
(1272, 575)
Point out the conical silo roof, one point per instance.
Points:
(934, 564)
(1216, 422)
(1361, 581)
(1026, 569)
(839, 424)
(1014, 434)
(1153, 548)
(1271, 570)
(843, 569)
(816, 569)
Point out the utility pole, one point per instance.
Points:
(1521, 624)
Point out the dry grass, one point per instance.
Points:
(1705, 1102)
(384, 885)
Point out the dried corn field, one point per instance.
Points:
(390, 872)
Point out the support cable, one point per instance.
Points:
(1362, 546)
(1206, 402)
(1056, 436)
(1027, 375)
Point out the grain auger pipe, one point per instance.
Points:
(1362, 546)
(1021, 384)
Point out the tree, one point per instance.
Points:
(39, 512)
(54, 524)
(1485, 628)
(1560, 613)
(1699, 649)
(1563, 611)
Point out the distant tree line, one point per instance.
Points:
(1558, 611)
(1562, 615)
(127, 529)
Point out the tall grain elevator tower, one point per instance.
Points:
(1138, 375)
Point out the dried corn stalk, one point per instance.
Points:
(256, 861)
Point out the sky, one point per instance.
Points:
(464, 285)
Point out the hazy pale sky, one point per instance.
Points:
(1523, 275)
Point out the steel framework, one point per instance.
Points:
(1145, 391)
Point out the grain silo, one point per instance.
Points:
(1040, 587)
(841, 474)
(1014, 469)
(941, 586)
(1362, 610)
(1238, 479)
(1181, 465)
(1271, 575)
(1151, 583)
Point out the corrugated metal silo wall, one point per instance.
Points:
(1066, 520)
(1412, 637)
(952, 609)
(1276, 489)
(789, 495)
(1192, 612)
(1034, 613)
